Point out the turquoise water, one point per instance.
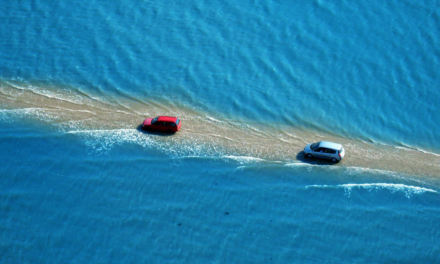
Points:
(81, 184)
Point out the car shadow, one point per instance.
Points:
(162, 134)
(315, 161)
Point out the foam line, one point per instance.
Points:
(393, 187)
(243, 159)
(43, 114)
(213, 119)
(408, 148)
(99, 131)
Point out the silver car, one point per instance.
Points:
(325, 150)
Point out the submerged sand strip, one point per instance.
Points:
(71, 111)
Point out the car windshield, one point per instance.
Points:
(177, 121)
(315, 145)
(154, 120)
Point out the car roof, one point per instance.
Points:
(330, 145)
(167, 119)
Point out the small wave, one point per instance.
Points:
(43, 114)
(351, 170)
(408, 148)
(402, 147)
(102, 141)
(213, 119)
(356, 170)
(101, 131)
(46, 93)
(244, 159)
(299, 164)
(308, 166)
(408, 190)
(71, 96)
(291, 135)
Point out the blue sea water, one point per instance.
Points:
(365, 71)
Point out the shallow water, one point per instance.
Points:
(253, 83)
(103, 124)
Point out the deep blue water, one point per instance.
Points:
(365, 71)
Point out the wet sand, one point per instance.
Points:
(101, 117)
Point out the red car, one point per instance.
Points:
(167, 124)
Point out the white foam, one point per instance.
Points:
(102, 141)
(355, 170)
(309, 166)
(349, 169)
(427, 152)
(48, 94)
(69, 96)
(244, 159)
(214, 120)
(396, 175)
(393, 187)
(352, 170)
(409, 148)
(68, 126)
(43, 114)
(404, 148)
(101, 131)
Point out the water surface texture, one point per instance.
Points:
(253, 82)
